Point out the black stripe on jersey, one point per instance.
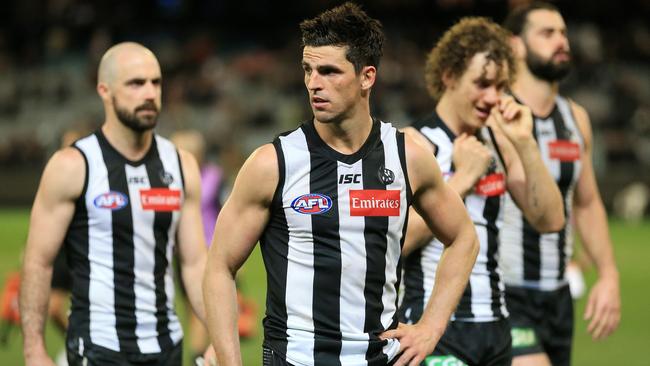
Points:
(323, 179)
(123, 253)
(401, 150)
(564, 184)
(532, 252)
(76, 247)
(497, 149)
(375, 231)
(492, 249)
(180, 169)
(161, 223)
(275, 248)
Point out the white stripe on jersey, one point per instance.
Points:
(300, 259)
(100, 251)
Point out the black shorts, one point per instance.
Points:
(272, 358)
(472, 343)
(61, 277)
(94, 355)
(542, 322)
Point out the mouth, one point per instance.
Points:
(562, 56)
(483, 112)
(319, 103)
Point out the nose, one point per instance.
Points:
(312, 80)
(151, 90)
(491, 96)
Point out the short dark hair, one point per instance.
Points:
(458, 45)
(516, 20)
(346, 25)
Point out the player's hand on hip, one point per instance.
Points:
(603, 308)
(416, 343)
(514, 119)
(209, 357)
(471, 156)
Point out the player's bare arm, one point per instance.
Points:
(418, 233)
(60, 186)
(529, 182)
(239, 226)
(192, 248)
(444, 212)
(604, 304)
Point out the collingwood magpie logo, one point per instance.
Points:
(385, 175)
(166, 177)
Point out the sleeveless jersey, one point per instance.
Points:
(332, 248)
(531, 259)
(120, 245)
(483, 298)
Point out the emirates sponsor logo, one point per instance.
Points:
(491, 185)
(375, 202)
(160, 199)
(564, 150)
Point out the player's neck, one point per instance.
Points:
(131, 144)
(536, 93)
(346, 136)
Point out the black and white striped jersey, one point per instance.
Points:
(120, 244)
(483, 298)
(332, 248)
(531, 259)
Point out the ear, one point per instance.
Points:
(368, 77)
(448, 80)
(518, 47)
(103, 91)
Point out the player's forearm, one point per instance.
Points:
(34, 296)
(591, 222)
(452, 277)
(544, 208)
(220, 297)
(462, 183)
(192, 279)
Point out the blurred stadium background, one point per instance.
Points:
(231, 69)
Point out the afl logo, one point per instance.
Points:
(312, 203)
(111, 200)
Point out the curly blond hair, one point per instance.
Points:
(458, 45)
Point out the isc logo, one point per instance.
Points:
(111, 200)
(312, 203)
(349, 178)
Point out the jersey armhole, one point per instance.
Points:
(80, 199)
(401, 148)
(277, 194)
(571, 103)
(180, 169)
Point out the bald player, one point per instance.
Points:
(118, 201)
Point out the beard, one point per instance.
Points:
(131, 119)
(547, 69)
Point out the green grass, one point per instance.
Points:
(628, 346)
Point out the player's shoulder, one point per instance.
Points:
(65, 173)
(264, 159)
(579, 112)
(67, 160)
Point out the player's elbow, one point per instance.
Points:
(550, 223)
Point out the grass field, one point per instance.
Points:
(630, 345)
